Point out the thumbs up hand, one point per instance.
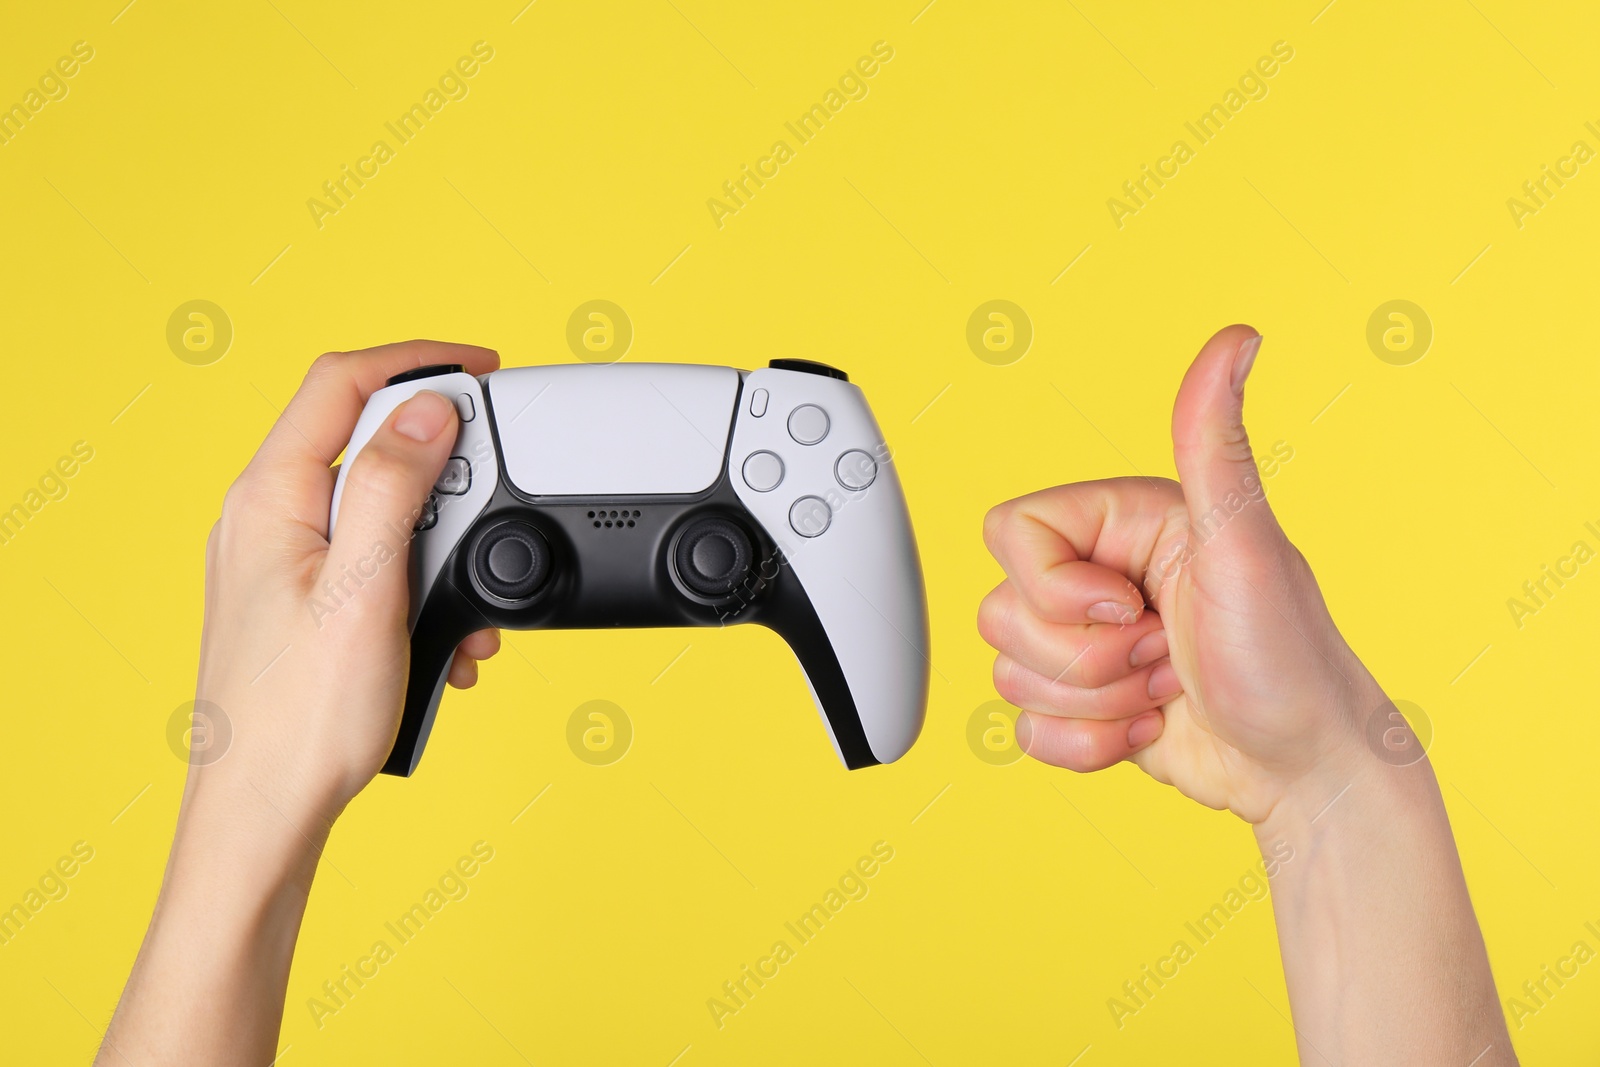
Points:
(1173, 624)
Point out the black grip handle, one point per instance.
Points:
(433, 646)
(788, 613)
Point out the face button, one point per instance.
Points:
(808, 424)
(427, 372)
(430, 514)
(763, 471)
(758, 403)
(466, 411)
(855, 470)
(810, 516)
(456, 478)
(512, 561)
(807, 366)
(713, 556)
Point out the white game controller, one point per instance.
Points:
(589, 497)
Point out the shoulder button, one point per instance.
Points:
(432, 371)
(807, 366)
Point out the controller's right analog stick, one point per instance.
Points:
(512, 561)
(713, 556)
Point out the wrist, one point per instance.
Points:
(1367, 754)
(233, 832)
(1368, 894)
(1350, 801)
(1373, 784)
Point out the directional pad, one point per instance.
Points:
(456, 478)
(428, 517)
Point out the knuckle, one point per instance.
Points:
(327, 370)
(1005, 681)
(326, 364)
(1233, 443)
(243, 497)
(995, 622)
(380, 471)
(1074, 746)
(1081, 753)
(1089, 669)
(995, 523)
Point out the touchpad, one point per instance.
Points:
(635, 429)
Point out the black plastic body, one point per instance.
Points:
(611, 572)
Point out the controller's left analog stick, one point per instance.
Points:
(512, 561)
(713, 556)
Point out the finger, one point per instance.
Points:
(1086, 745)
(316, 425)
(1072, 550)
(481, 645)
(1221, 482)
(383, 495)
(463, 671)
(1084, 656)
(1146, 688)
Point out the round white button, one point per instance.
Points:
(808, 424)
(763, 471)
(810, 516)
(855, 469)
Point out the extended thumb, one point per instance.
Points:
(1220, 480)
(384, 497)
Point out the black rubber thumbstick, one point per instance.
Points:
(512, 561)
(713, 557)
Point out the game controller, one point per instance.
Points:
(590, 496)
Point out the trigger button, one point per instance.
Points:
(426, 372)
(809, 366)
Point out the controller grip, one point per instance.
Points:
(791, 615)
(433, 647)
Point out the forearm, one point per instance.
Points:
(209, 983)
(1381, 950)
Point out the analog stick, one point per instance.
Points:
(713, 556)
(512, 561)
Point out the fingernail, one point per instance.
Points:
(1244, 361)
(1145, 729)
(1024, 730)
(424, 416)
(1112, 611)
(1149, 648)
(1164, 682)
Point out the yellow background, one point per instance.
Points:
(1019, 898)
